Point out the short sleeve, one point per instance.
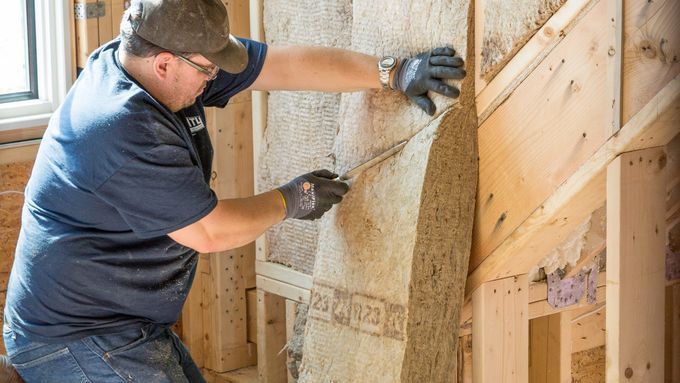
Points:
(226, 85)
(159, 191)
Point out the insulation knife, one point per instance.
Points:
(374, 161)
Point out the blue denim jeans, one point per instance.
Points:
(147, 355)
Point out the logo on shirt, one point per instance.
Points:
(195, 124)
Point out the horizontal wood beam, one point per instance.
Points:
(582, 193)
(283, 289)
(283, 274)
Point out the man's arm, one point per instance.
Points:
(317, 69)
(232, 223)
(339, 70)
(236, 222)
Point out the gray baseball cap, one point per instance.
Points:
(197, 26)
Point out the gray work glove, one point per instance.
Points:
(311, 195)
(417, 75)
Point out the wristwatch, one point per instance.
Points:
(385, 67)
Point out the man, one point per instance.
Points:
(119, 204)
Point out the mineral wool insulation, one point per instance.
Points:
(313, 118)
(301, 126)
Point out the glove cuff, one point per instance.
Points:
(397, 83)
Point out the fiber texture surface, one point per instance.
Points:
(508, 25)
(392, 264)
(296, 118)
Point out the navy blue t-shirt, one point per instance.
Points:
(115, 173)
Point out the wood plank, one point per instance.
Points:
(547, 139)
(271, 332)
(636, 186)
(225, 314)
(284, 274)
(465, 359)
(117, 10)
(650, 51)
(105, 23)
(291, 314)
(538, 303)
(493, 94)
(239, 17)
(500, 331)
(259, 112)
(251, 303)
(550, 348)
(283, 289)
(582, 193)
(87, 36)
(192, 314)
(672, 338)
(588, 331)
(242, 375)
(23, 134)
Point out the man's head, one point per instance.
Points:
(174, 47)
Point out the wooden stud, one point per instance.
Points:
(564, 125)
(582, 193)
(550, 348)
(672, 338)
(636, 186)
(259, 117)
(283, 289)
(284, 274)
(192, 314)
(588, 328)
(650, 51)
(271, 333)
(291, 314)
(464, 359)
(117, 11)
(500, 331)
(87, 36)
(105, 23)
(251, 303)
(493, 94)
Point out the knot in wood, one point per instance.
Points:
(629, 373)
(647, 49)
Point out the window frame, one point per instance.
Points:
(54, 28)
(32, 92)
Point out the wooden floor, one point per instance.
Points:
(242, 375)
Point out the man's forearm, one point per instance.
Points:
(233, 223)
(317, 69)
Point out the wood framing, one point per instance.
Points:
(582, 192)
(550, 348)
(636, 186)
(500, 331)
(271, 332)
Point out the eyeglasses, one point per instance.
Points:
(211, 73)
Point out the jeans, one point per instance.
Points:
(147, 355)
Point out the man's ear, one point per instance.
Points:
(161, 62)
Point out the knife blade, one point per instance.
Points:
(373, 161)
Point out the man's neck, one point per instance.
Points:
(140, 69)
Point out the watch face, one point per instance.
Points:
(387, 62)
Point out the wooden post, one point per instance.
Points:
(291, 314)
(500, 331)
(636, 187)
(550, 348)
(271, 337)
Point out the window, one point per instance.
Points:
(18, 70)
(35, 64)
